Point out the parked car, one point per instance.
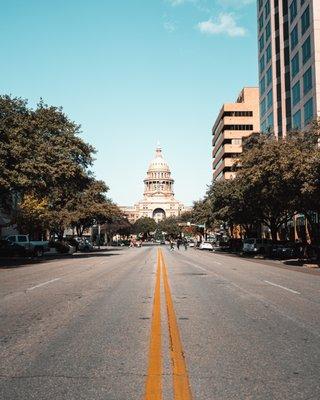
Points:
(285, 250)
(34, 247)
(191, 243)
(10, 249)
(205, 246)
(85, 245)
(257, 246)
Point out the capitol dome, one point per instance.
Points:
(158, 197)
(158, 164)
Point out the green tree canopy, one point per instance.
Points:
(170, 226)
(45, 170)
(144, 226)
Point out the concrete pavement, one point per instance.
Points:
(81, 328)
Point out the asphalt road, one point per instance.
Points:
(137, 324)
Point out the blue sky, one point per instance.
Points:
(133, 72)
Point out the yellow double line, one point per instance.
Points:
(181, 384)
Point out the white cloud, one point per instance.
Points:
(176, 2)
(179, 2)
(224, 24)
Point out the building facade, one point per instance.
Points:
(235, 121)
(289, 64)
(158, 199)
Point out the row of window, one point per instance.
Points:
(238, 127)
(308, 115)
(237, 114)
(307, 86)
(159, 175)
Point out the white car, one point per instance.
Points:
(205, 246)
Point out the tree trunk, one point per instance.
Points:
(274, 232)
(60, 233)
(314, 227)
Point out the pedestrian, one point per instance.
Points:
(185, 242)
(178, 244)
(171, 245)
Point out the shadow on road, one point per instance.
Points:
(23, 262)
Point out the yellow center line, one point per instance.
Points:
(154, 377)
(181, 384)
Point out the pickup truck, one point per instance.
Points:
(36, 248)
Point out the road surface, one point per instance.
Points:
(149, 324)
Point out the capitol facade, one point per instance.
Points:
(158, 199)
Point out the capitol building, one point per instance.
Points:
(158, 199)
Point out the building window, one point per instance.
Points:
(293, 10)
(268, 31)
(264, 126)
(296, 120)
(307, 81)
(267, 8)
(261, 43)
(306, 50)
(261, 22)
(263, 108)
(296, 93)
(268, 53)
(305, 20)
(269, 99)
(295, 65)
(237, 142)
(270, 122)
(262, 64)
(294, 37)
(262, 85)
(308, 111)
(269, 76)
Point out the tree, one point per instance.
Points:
(228, 205)
(170, 226)
(32, 215)
(42, 158)
(267, 180)
(307, 173)
(91, 207)
(144, 226)
(40, 150)
(120, 225)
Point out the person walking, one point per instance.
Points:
(178, 244)
(185, 243)
(171, 245)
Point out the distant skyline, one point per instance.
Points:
(132, 73)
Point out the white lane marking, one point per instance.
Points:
(203, 269)
(197, 266)
(216, 262)
(44, 283)
(282, 287)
